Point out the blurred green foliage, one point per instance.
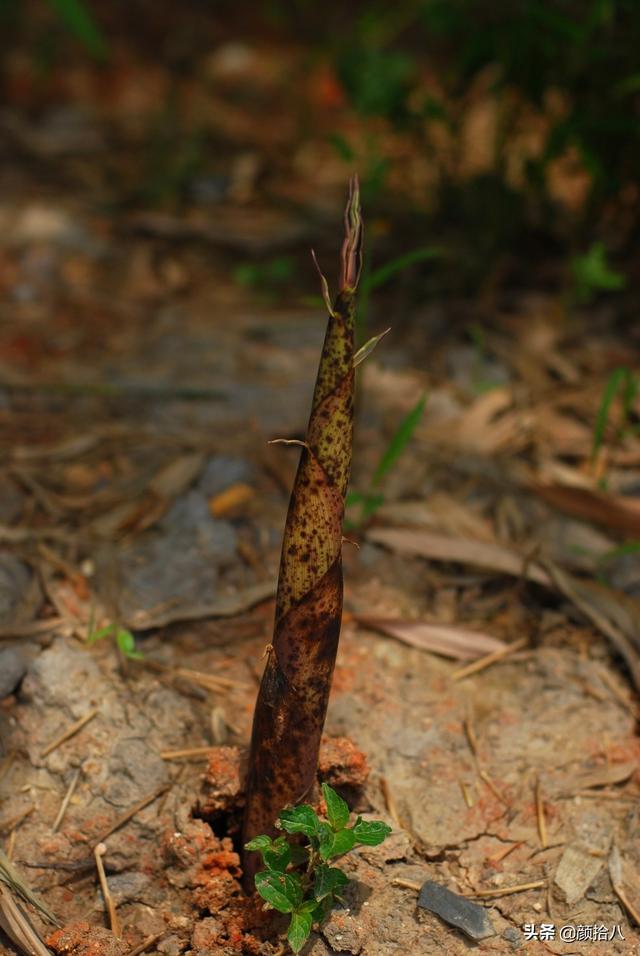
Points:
(75, 18)
(569, 66)
(584, 48)
(369, 501)
(78, 18)
(592, 274)
(265, 276)
(623, 383)
(580, 53)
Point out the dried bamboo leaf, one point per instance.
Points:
(439, 547)
(15, 884)
(17, 925)
(449, 640)
(615, 614)
(603, 508)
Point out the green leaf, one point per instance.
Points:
(337, 808)
(309, 906)
(592, 273)
(620, 379)
(299, 929)
(283, 891)
(365, 350)
(98, 635)
(379, 276)
(278, 855)
(302, 819)
(336, 843)
(370, 832)
(341, 146)
(259, 843)
(399, 440)
(127, 644)
(322, 908)
(327, 880)
(79, 20)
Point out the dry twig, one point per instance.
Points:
(146, 944)
(508, 890)
(140, 805)
(66, 800)
(114, 923)
(485, 662)
(542, 823)
(69, 732)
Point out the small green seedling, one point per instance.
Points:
(369, 501)
(265, 277)
(625, 383)
(299, 880)
(592, 274)
(124, 639)
(79, 21)
(374, 278)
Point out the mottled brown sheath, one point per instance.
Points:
(292, 701)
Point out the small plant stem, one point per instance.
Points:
(114, 922)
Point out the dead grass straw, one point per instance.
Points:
(488, 660)
(69, 732)
(114, 922)
(66, 800)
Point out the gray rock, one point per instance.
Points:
(13, 667)
(134, 771)
(16, 583)
(222, 471)
(624, 573)
(65, 677)
(343, 933)
(129, 887)
(176, 563)
(455, 910)
(513, 936)
(577, 869)
(171, 945)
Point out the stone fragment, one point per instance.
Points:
(222, 783)
(341, 764)
(470, 918)
(577, 869)
(19, 592)
(344, 933)
(222, 471)
(177, 562)
(513, 936)
(13, 667)
(83, 939)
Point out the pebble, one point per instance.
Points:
(221, 472)
(15, 581)
(13, 667)
(513, 936)
(470, 918)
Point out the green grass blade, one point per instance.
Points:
(378, 277)
(399, 440)
(616, 380)
(79, 20)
